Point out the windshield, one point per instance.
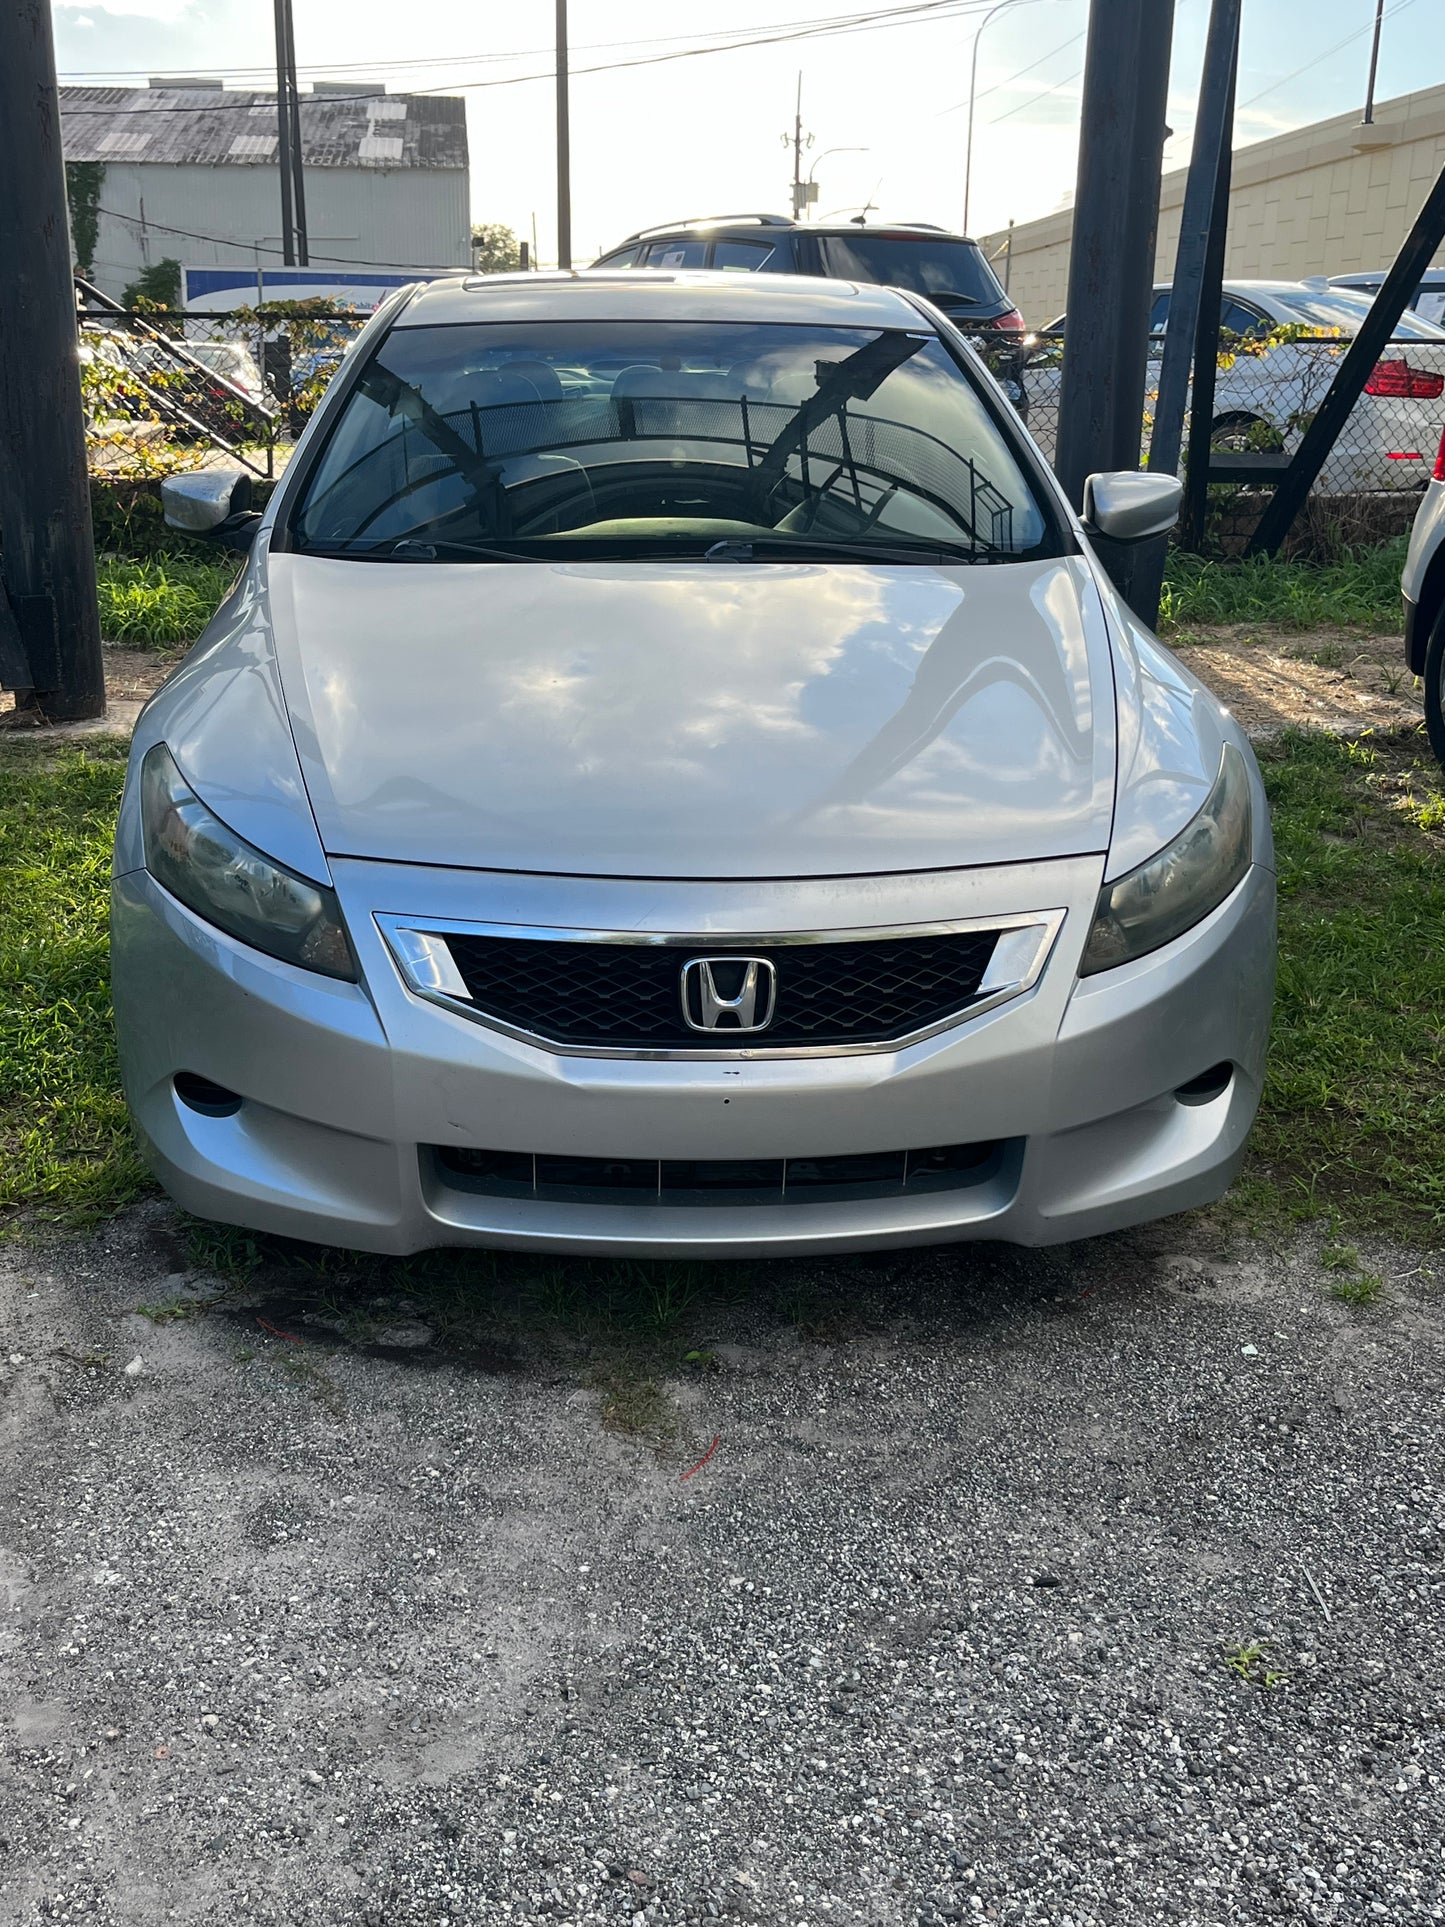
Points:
(926, 265)
(1343, 309)
(667, 438)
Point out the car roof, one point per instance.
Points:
(1368, 278)
(645, 294)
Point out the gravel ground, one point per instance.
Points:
(1095, 1587)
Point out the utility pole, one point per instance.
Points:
(298, 184)
(1111, 260)
(564, 146)
(804, 192)
(1369, 115)
(283, 137)
(1202, 225)
(49, 624)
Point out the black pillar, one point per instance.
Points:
(47, 551)
(1111, 263)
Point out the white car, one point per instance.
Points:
(1423, 586)
(1264, 401)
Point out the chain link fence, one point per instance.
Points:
(165, 389)
(1266, 393)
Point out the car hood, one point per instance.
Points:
(698, 719)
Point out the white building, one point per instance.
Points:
(190, 174)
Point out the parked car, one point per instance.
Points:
(672, 777)
(947, 269)
(1264, 401)
(234, 361)
(1423, 586)
(1428, 299)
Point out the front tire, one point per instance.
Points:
(1435, 688)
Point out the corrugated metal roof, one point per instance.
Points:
(211, 126)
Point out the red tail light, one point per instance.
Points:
(1440, 459)
(1400, 380)
(1013, 321)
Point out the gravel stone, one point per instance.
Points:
(990, 1606)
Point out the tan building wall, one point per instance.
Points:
(1326, 199)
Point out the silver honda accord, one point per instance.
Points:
(672, 777)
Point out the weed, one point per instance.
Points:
(173, 1310)
(1250, 1664)
(1339, 1257)
(225, 1249)
(1359, 591)
(1363, 1289)
(158, 603)
(630, 1400)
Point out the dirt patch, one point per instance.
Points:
(1332, 679)
(132, 676)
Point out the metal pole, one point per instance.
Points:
(564, 146)
(798, 151)
(1206, 347)
(1008, 254)
(49, 624)
(1111, 260)
(1212, 132)
(283, 138)
(1369, 116)
(298, 187)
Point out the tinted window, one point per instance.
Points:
(676, 253)
(925, 265)
(623, 258)
(749, 255)
(1239, 320)
(663, 439)
(1159, 313)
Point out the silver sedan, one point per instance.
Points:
(672, 777)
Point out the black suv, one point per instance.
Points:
(948, 270)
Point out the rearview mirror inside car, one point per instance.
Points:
(214, 502)
(1130, 504)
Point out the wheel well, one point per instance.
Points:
(1429, 609)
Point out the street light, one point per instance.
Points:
(972, 90)
(812, 191)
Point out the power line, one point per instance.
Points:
(1034, 99)
(1017, 74)
(323, 69)
(920, 12)
(258, 247)
(1328, 53)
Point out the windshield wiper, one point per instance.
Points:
(839, 549)
(415, 548)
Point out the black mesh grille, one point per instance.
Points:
(625, 995)
(869, 1174)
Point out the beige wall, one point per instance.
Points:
(1325, 199)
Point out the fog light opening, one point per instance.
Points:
(1207, 1086)
(200, 1094)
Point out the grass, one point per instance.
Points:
(1359, 591)
(157, 603)
(1353, 1118)
(65, 1146)
(1352, 1127)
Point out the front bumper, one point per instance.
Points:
(348, 1089)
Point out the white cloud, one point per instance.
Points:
(164, 10)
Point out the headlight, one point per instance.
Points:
(1191, 876)
(218, 875)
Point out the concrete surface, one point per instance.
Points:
(958, 1622)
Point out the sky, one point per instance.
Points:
(708, 133)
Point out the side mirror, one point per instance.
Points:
(214, 502)
(1131, 504)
